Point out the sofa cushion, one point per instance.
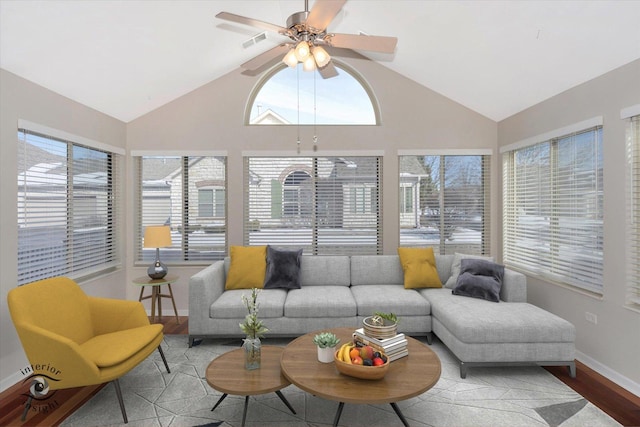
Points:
(376, 270)
(419, 267)
(391, 299)
(229, 305)
(479, 279)
(455, 267)
(248, 266)
(473, 320)
(325, 270)
(283, 269)
(320, 301)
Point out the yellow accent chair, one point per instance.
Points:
(84, 340)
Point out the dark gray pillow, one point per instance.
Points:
(283, 269)
(479, 279)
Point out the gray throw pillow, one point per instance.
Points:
(283, 269)
(455, 267)
(479, 279)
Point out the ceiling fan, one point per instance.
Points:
(308, 33)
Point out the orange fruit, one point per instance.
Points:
(354, 353)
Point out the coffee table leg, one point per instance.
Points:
(395, 407)
(219, 401)
(246, 405)
(338, 413)
(284, 399)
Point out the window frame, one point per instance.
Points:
(86, 255)
(548, 247)
(188, 248)
(632, 117)
(408, 183)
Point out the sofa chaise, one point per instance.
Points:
(341, 290)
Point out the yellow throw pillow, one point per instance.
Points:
(248, 267)
(419, 266)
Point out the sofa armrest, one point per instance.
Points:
(514, 286)
(204, 288)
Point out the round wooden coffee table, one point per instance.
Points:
(227, 374)
(407, 377)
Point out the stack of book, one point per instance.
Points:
(394, 347)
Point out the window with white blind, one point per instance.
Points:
(68, 207)
(325, 205)
(187, 193)
(633, 212)
(553, 208)
(444, 202)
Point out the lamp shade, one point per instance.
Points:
(321, 56)
(157, 236)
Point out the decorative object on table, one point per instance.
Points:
(381, 325)
(394, 347)
(254, 329)
(326, 342)
(353, 368)
(157, 236)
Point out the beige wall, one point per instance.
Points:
(20, 99)
(613, 344)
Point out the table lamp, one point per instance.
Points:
(157, 236)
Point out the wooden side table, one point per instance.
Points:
(156, 294)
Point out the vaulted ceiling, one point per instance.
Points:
(126, 58)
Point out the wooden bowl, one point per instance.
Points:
(361, 371)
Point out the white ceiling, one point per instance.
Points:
(126, 58)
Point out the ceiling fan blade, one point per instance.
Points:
(372, 43)
(328, 71)
(252, 22)
(323, 12)
(265, 57)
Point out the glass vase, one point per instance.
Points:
(252, 348)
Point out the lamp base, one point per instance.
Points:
(157, 270)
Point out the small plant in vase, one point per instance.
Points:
(254, 329)
(326, 342)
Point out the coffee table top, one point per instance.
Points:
(227, 374)
(407, 377)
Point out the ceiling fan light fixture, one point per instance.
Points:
(321, 56)
(302, 51)
(290, 58)
(309, 64)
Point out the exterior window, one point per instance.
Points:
(325, 205)
(68, 210)
(189, 194)
(553, 209)
(211, 202)
(444, 202)
(633, 212)
(290, 96)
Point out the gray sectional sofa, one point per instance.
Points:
(340, 291)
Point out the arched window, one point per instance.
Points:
(291, 96)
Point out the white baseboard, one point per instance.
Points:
(12, 379)
(609, 373)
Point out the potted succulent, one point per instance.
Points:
(326, 342)
(254, 329)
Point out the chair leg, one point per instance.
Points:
(116, 384)
(166, 365)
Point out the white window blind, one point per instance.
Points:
(451, 195)
(189, 194)
(68, 208)
(553, 209)
(633, 212)
(325, 205)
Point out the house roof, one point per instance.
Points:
(495, 57)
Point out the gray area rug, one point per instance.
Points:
(509, 396)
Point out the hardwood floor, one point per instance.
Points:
(620, 404)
